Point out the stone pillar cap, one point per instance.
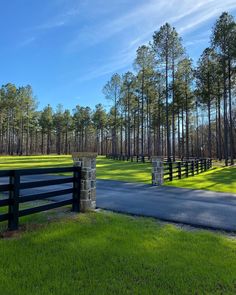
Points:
(84, 155)
(157, 157)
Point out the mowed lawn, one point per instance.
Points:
(58, 252)
(218, 179)
(105, 253)
(106, 168)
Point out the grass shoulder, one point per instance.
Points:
(116, 254)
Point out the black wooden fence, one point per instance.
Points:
(15, 184)
(172, 170)
(178, 170)
(138, 159)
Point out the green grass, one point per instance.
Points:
(104, 253)
(217, 179)
(123, 171)
(106, 169)
(16, 162)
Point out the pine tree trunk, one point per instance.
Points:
(225, 115)
(230, 115)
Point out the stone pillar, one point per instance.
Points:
(157, 171)
(87, 162)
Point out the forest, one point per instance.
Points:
(168, 106)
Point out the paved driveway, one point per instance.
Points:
(194, 207)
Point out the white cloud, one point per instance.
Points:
(61, 19)
(112, 65)
(146, 18)
(141, 22)
(131, 28)
(27, 42)
(51, 25)
(196, 41)
(207, 11)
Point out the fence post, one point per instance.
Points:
(87, 162)
(192, 167)
(186, 168)
(171, 170)
(157, 171)
(13, 208)
(205, 164)
(209, 164)
(179, 170)
(76, 189)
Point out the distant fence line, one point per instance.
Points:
(172, 170)
(141, 159)
(178, 170)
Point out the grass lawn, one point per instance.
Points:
(105, 253)
(106, 168)
(61, 253)
(218, 179)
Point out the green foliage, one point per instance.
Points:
(224, 34)
(161, 108)
(207, 75)
(183, 85)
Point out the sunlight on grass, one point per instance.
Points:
(106, 168)
(104, 253)
(218, 179)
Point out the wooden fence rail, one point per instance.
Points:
(15, 185)
(178, 170)
(172, 170)
(140, 159)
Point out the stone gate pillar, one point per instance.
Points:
(87, 162)
(157, 171)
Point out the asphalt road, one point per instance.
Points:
(194, 207)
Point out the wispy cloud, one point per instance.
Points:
(122, 60)
(61, 19)
(97, 33)
(57, 21)
(27, 42)
(51, 25)
(207, 11)
(196, 41)
(141, 22)
(112, 65)
(147, 17)
(128, 29)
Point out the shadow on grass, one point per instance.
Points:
(223, 176)
(218, 179)
(111, 254)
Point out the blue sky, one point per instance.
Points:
(68, 49)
